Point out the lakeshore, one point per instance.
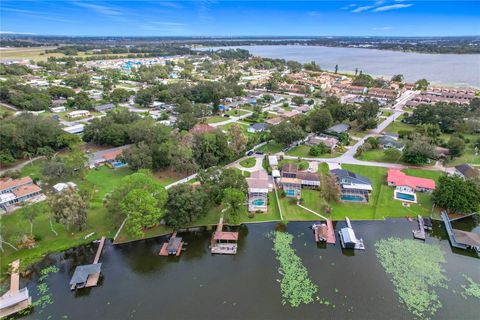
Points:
(134, 277)
(440, 69)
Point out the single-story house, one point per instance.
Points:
(387, 142)
(396, 178)
(304, 108)
(101, 157)
(442, 152)
(338, 129)
(58, 109)
(257, 127)
(330, 142)
(406, 186)
(467, 172)
(258, 188)
(104, 107)
(75, 129)
(353, 187)
(111, 159)
(78, 114)
(274, 121)
(291, 186)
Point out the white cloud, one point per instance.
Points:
(108, 11)
(392, 7)
(383, 28)
(361, 9)
(15, 32)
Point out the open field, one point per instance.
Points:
(216, 119)
(35, 54)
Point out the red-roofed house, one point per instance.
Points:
(396, 178)
(13, 191)
(406, 186)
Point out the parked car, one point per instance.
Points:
(226, 115)
(259, 152)
(249, 153)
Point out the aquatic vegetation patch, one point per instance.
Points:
(416, 271)
(471, 289)
(45, 297)
(296, 286)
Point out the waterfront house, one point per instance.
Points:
(406, 186)
(353, 187)
(258, 187)
(256, 127)
(78, 114)
(293, 180)
(13, 191)
(465, 171)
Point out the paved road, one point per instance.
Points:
(231, 120)
(19, 166)
(348, 156)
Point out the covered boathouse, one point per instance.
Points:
(223, 242)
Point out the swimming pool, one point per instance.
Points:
(405, 196)
(258, 202)
(290, 192)
(349, 197)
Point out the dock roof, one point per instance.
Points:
(224, 235)
(82, 273)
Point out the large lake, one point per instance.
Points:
(448, 69)
(139, 284)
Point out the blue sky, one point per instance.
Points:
(236, 18)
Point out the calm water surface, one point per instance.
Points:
(449, 69)
(139, 284)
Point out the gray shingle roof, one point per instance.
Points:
(341, 173)
(82, 272)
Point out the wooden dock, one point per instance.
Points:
(324, 232)
(164, 251)
(461, 239)
(331, 232)
(223, 242)
(86, 276)
(15, 299)
(420, 233)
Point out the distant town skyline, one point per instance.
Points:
(241, 18)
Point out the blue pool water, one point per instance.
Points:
(290, 193)
(258, 202)
(118, 164)
(405, 196)
(348, 197)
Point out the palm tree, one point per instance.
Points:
(28, 155)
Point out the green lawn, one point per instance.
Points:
(311, 199)
(377, 155)
(97, 183)
(302, 151)
(216, 119)
(236, 112)
(248, 162)
(227, 126)
(271, 147)
(468, 157)
(380, 206)
(397, 126)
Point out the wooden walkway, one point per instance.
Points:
(331, 232)
(15, 299)
(99, 250)
(420, 233)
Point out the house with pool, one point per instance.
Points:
(293, 180)
(406, 186)
(353, 187)
(258, 188)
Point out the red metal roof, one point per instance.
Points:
(112, 155)
(223, 235)
(15, 183)
(401, 179)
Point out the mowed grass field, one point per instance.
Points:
(31, 53)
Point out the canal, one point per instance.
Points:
(139, 284)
